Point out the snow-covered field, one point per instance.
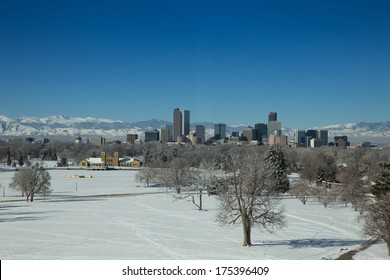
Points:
(78, 222)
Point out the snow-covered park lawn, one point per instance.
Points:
(77, 222)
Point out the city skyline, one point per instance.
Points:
(314, 63)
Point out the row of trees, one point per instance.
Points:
(18, 152)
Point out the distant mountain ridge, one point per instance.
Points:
(62, 126)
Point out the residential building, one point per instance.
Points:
(220, 131)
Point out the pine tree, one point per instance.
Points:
(20, 160)
(320, 175)
(382, 182)
(277, 168)
(9, 162)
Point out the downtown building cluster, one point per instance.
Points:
(260, 134)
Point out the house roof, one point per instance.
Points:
(95, 160)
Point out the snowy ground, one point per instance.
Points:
(74, 223)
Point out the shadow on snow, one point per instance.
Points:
(314, 243)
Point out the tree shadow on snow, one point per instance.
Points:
(23, 216)
(313, 243)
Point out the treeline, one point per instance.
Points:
(18, 152)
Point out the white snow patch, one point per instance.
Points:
(74, 225)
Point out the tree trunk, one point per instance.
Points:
(32, 197)
(388, 248)
(200, 201)
(246, 226)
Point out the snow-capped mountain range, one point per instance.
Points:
(61, 126)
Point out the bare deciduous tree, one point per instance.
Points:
(301, 190)
(351, 190)
(377, 219)
(146, 175)
(252, 195)
(177, 175)
(202, 179)
(31, 180)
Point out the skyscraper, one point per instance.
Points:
(262, 130)
(185, 125)
(181, 123)
(176, 124)
(166, 133)
(274, 127)
(272, 117)
(219, 131)
(200, 134)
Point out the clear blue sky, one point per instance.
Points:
(314, 62)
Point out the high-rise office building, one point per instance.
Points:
(131, 138)
(219, 131)
(261, 130)
(249, 134)
(177, 120)
(181, 123)
(304, 138)
(323, 135)
(185, 126)
(272, 117)
(300, 138)
(200, 132)
(166, 133)
(152, 135)
(274, 127)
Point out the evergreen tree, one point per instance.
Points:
(54, 155)
(20, 160)
(277, 168)
(382, 182)
(320, 175)
(9, 162)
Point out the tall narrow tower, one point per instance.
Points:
(181, 123)
(185, 118)
(176, 124)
